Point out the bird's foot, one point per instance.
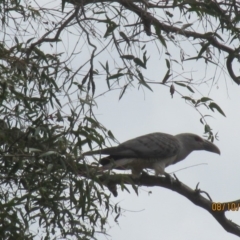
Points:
(169, 178)
(177, 180)
(172, 180)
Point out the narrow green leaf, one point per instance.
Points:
(184, 26)
(123, 91)
(162, 40)
(49, 153)
(197, 58)
(145, 58)
(107, 67)
(172, 90)
(111, 135)
(115, 219)
(103, 66)
(213, 106)
(85, 78)
(189, 99)
(167, 63)
(124, 36)
(101, 12)
(49, 168)
(29, 40)
(157, 30)
(218, 36)
(40, 54)
(91, 120)
(63, 4)
(203, 49)
(201, 119)
(56, 99)
(142, 81)
(32, 150)
(135, 188)
(190, 89)
(166, 77)
(139, 62)
(110, 28)
(197, 103)
(180, 84)
(16, 39)
(205, 99)
(128, 57)
(169, 14)
(116, 76)
(207, 128)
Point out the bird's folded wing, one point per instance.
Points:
(152, 145)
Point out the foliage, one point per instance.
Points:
(52, 58)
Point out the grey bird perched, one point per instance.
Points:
(154, 151)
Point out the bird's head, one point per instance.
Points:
(190, 142)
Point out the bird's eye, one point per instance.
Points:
(198, 139)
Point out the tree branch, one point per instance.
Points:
(175, 185)
(148, 20)
(216, 209)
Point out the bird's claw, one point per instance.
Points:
(169, 178)
(177, 180)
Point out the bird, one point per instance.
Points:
(154, 151)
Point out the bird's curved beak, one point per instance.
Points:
(209, 146)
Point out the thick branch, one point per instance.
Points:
(216, 209)
(175, 185)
